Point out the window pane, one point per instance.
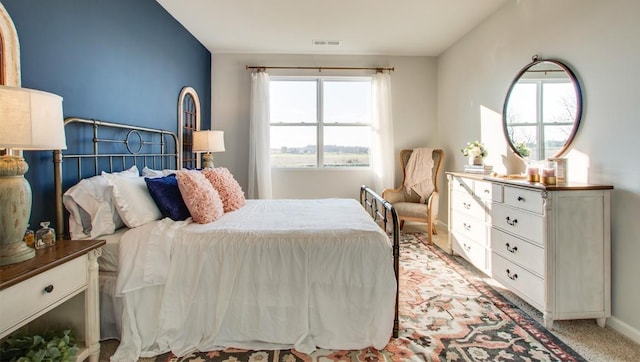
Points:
(347, 101)
(559, 102)
(525, 135)
(293, 102)
(554, 139)
(293, 146)
(522, 106)
(346, 146)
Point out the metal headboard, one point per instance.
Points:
(113, 147)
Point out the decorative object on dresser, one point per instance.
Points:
(476, 152)
(31, 120)
(48, 291)
(207, 142)
(549, 244)
(417, 199)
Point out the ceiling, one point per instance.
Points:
(381, 27)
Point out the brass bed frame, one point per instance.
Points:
(124, 146)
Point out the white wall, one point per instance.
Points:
(414, 111)
(599, 40)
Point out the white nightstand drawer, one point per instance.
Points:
(22, 301)
(521, 223)
(518, 251)
(512, 276)
(523, 199)
(469, 205)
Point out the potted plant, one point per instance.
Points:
(523, 149)
(475, 151)
(56, 346)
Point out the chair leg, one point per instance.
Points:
(401, 224)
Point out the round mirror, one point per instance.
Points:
(542, 110)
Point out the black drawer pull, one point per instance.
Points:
(512, 222)
(466, 205)
(520, 198)
(466, 247)
(512, 249)
(512, 277)
(49, 288)
(486, 191)
(467, 226)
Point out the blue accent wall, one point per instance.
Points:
(122, 61)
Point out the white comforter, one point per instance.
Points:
(274, 274)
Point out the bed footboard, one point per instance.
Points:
(385, 215)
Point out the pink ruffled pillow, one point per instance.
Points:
(202, 200)
(227, 186)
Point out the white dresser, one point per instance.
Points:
(548, 244)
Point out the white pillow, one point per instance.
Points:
(151, 173)
(91, 211)
(133, 200)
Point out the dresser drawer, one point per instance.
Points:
(24, 301)
(521, 223)
(516, 250)
(474, 253)
(469, 227)
(514, 277)
(529, 200)
(462, 184)
(488, 190)
(469, 205)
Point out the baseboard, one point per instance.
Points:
(624, 329)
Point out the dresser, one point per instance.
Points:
(58, 288)
(550, 245)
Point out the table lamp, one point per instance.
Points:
(29, 120)
(206, 142)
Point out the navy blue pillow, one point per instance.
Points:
(167, 196)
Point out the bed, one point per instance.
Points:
(271, 274)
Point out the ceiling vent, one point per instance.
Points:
(333, 43)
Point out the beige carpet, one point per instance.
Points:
(584, 336)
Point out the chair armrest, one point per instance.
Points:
(434, 204)
(393, 195)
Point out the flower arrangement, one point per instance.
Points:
(474, 149)
(522, 149)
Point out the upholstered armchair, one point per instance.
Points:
(408, 203)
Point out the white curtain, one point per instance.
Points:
(259, 165)
(382, 153)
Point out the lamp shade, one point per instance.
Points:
(31, 119)
(208, 141)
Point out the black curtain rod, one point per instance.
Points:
(320, 69)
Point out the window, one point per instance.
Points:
(320, 122)
(542, 110)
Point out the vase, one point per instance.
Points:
(475, 161)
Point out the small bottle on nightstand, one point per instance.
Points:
(45, 236)
(29, 237)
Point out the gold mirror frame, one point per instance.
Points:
(9, 51)
(528, 74)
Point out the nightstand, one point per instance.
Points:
(58, 288)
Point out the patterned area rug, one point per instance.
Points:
(446, 314)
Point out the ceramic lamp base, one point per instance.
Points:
(207, 160)
(15, 210)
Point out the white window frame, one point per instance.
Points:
(320, 124)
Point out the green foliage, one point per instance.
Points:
(53, 346)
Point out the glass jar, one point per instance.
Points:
(548, 172)
(45, 236)
(533, 173)
(29, 237)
